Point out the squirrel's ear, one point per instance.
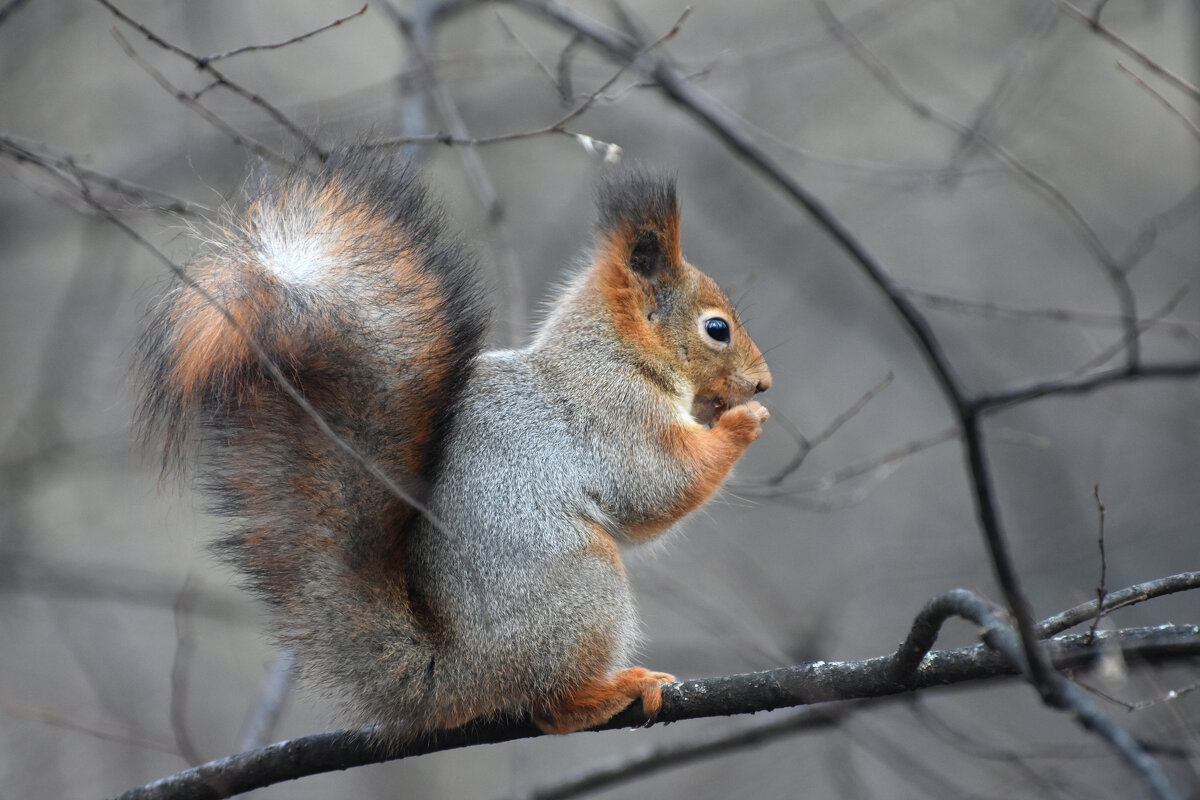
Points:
(647, 257)
(639, 218)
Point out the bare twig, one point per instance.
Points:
(152, 199)
(58, 720)
(914, 769)
(853, 470)
(260, 723)
(1082, 384)
(1184, 581)
(1151, 226)
(708, 744)
(1101, 591)
(1093, 22)
(93, 585)
(1115, 349)
(542, 68)
(185, 650)
(189, 99)
(250, 48)
(557, 127)
(204, 64)
(940, 300)
(722, 623)
(806, 445)
(1166, 697)
(1016, 65)
(1107, 261)
(418, 34)
(1157, 95)
(963, 738)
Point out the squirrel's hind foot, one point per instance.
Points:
(598, 700)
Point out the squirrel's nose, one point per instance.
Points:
(763, 384)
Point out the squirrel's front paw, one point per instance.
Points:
(745, 421)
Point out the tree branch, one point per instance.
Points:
(1132, 595)
(911, 668)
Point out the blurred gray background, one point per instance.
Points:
(124, 651)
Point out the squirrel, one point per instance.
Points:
(482, 575)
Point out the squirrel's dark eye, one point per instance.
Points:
(717, 329)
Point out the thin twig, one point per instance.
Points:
(542, 68)
(126, 585)
(1016, 64)
(1082, 384)
(1166, 697)
(708, 744)
(204, 64)
(260, 723)
(962, 736)
(1093, 22)
(559, 126)
(1101, 591)
(806, 445)
(154, 199)
(829, 480)
(917, 770)
(418, 34)
(189, 100)
(185, 650)
(1108, 263)
(250, 48)
(1157, 95)
(1151, 226)
(1115, 349)
(963, 305)
(59, 720)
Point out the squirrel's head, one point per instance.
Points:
(681, 329)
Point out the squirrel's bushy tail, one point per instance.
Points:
(346, 279)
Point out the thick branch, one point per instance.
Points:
(803, 684)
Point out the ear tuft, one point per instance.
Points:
(639, 211)
(636, 199)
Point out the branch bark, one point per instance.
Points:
(803, 684)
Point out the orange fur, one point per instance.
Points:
(596, 701)
(709, 454)
(625, 298)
